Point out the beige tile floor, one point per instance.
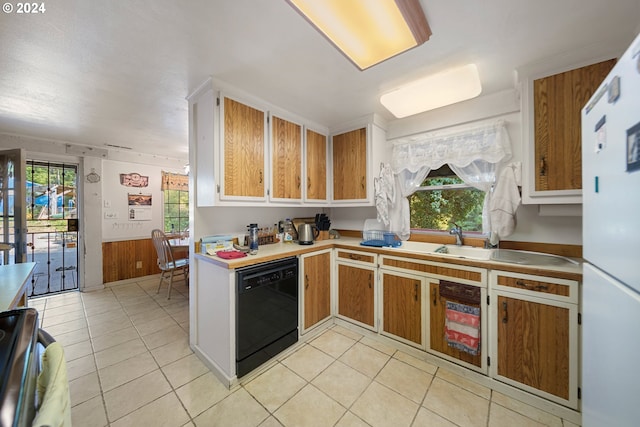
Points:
(129, 364)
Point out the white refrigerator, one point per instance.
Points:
(611, 248)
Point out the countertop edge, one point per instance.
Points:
(14, 282)
(282, 250)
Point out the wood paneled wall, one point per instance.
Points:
(119, 260)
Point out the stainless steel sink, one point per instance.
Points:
(510, 256)
(451, 251)
(529, 258)
(466, 252)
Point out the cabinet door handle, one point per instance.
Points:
(260, 176)
(306, 281)
(362, 182)
(543, 166)
(505, 315)
(415, 292)
(298, 182)
(435, 297)
(535, 288)
(308, 183)
(369, 282)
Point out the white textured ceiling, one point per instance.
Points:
(117, 72)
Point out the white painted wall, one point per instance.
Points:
(115, 201)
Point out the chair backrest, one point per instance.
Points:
(163, 248)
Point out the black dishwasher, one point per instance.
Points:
(266, 312)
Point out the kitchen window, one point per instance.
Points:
(176, 211)
(442, 199)
(175, 190)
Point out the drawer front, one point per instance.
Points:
(356, 256)
(543, 287)
(535, 285)
(474, 275)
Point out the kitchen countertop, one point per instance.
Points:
(13, 283)
(282, 250)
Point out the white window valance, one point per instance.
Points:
(457, 146)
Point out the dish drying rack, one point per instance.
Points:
(378, 238)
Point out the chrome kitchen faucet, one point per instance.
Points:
(457, 231)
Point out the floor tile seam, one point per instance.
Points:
(111, 364)
(86, 326)
(328, 354)
(352, 413)
(463, 388)
(129, 358)
(283, 403)
(148, 403)
(419, 405)
(43, 326)
(333, 328)
(348, 408)
(95, 363)
(116, 329)
(86, 397)
(518, 412)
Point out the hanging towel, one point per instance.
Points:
(384, 187)
(53, 390)
(462, 327)
(503, 204)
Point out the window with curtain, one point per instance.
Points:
(474, 153)
(175, 190)
(442, 199)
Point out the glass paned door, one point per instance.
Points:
(52, 217)
(12, 207)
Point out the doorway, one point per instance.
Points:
(52, 221)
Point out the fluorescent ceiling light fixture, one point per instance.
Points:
(367, 31)
(435, 91)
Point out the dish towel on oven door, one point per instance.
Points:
(462, 327)
(53, 390)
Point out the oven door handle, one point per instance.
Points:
(44, 338)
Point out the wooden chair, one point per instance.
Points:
(167, 264)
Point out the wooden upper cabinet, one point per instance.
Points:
(316, 169)
(244, 150)
(350, 165)
(558, 100)
(286, 159)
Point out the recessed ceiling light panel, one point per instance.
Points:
(435, 91)
(367, 31)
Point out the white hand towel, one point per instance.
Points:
(503, 205)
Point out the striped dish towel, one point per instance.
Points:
(462, 327)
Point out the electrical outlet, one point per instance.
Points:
(138, 264)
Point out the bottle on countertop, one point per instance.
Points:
(253, 239)
(289, 232)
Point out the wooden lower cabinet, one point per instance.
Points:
(356, 293)
(535, 334)
(316, 285)
(402, 308)
(437, 339)
(533, 344)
